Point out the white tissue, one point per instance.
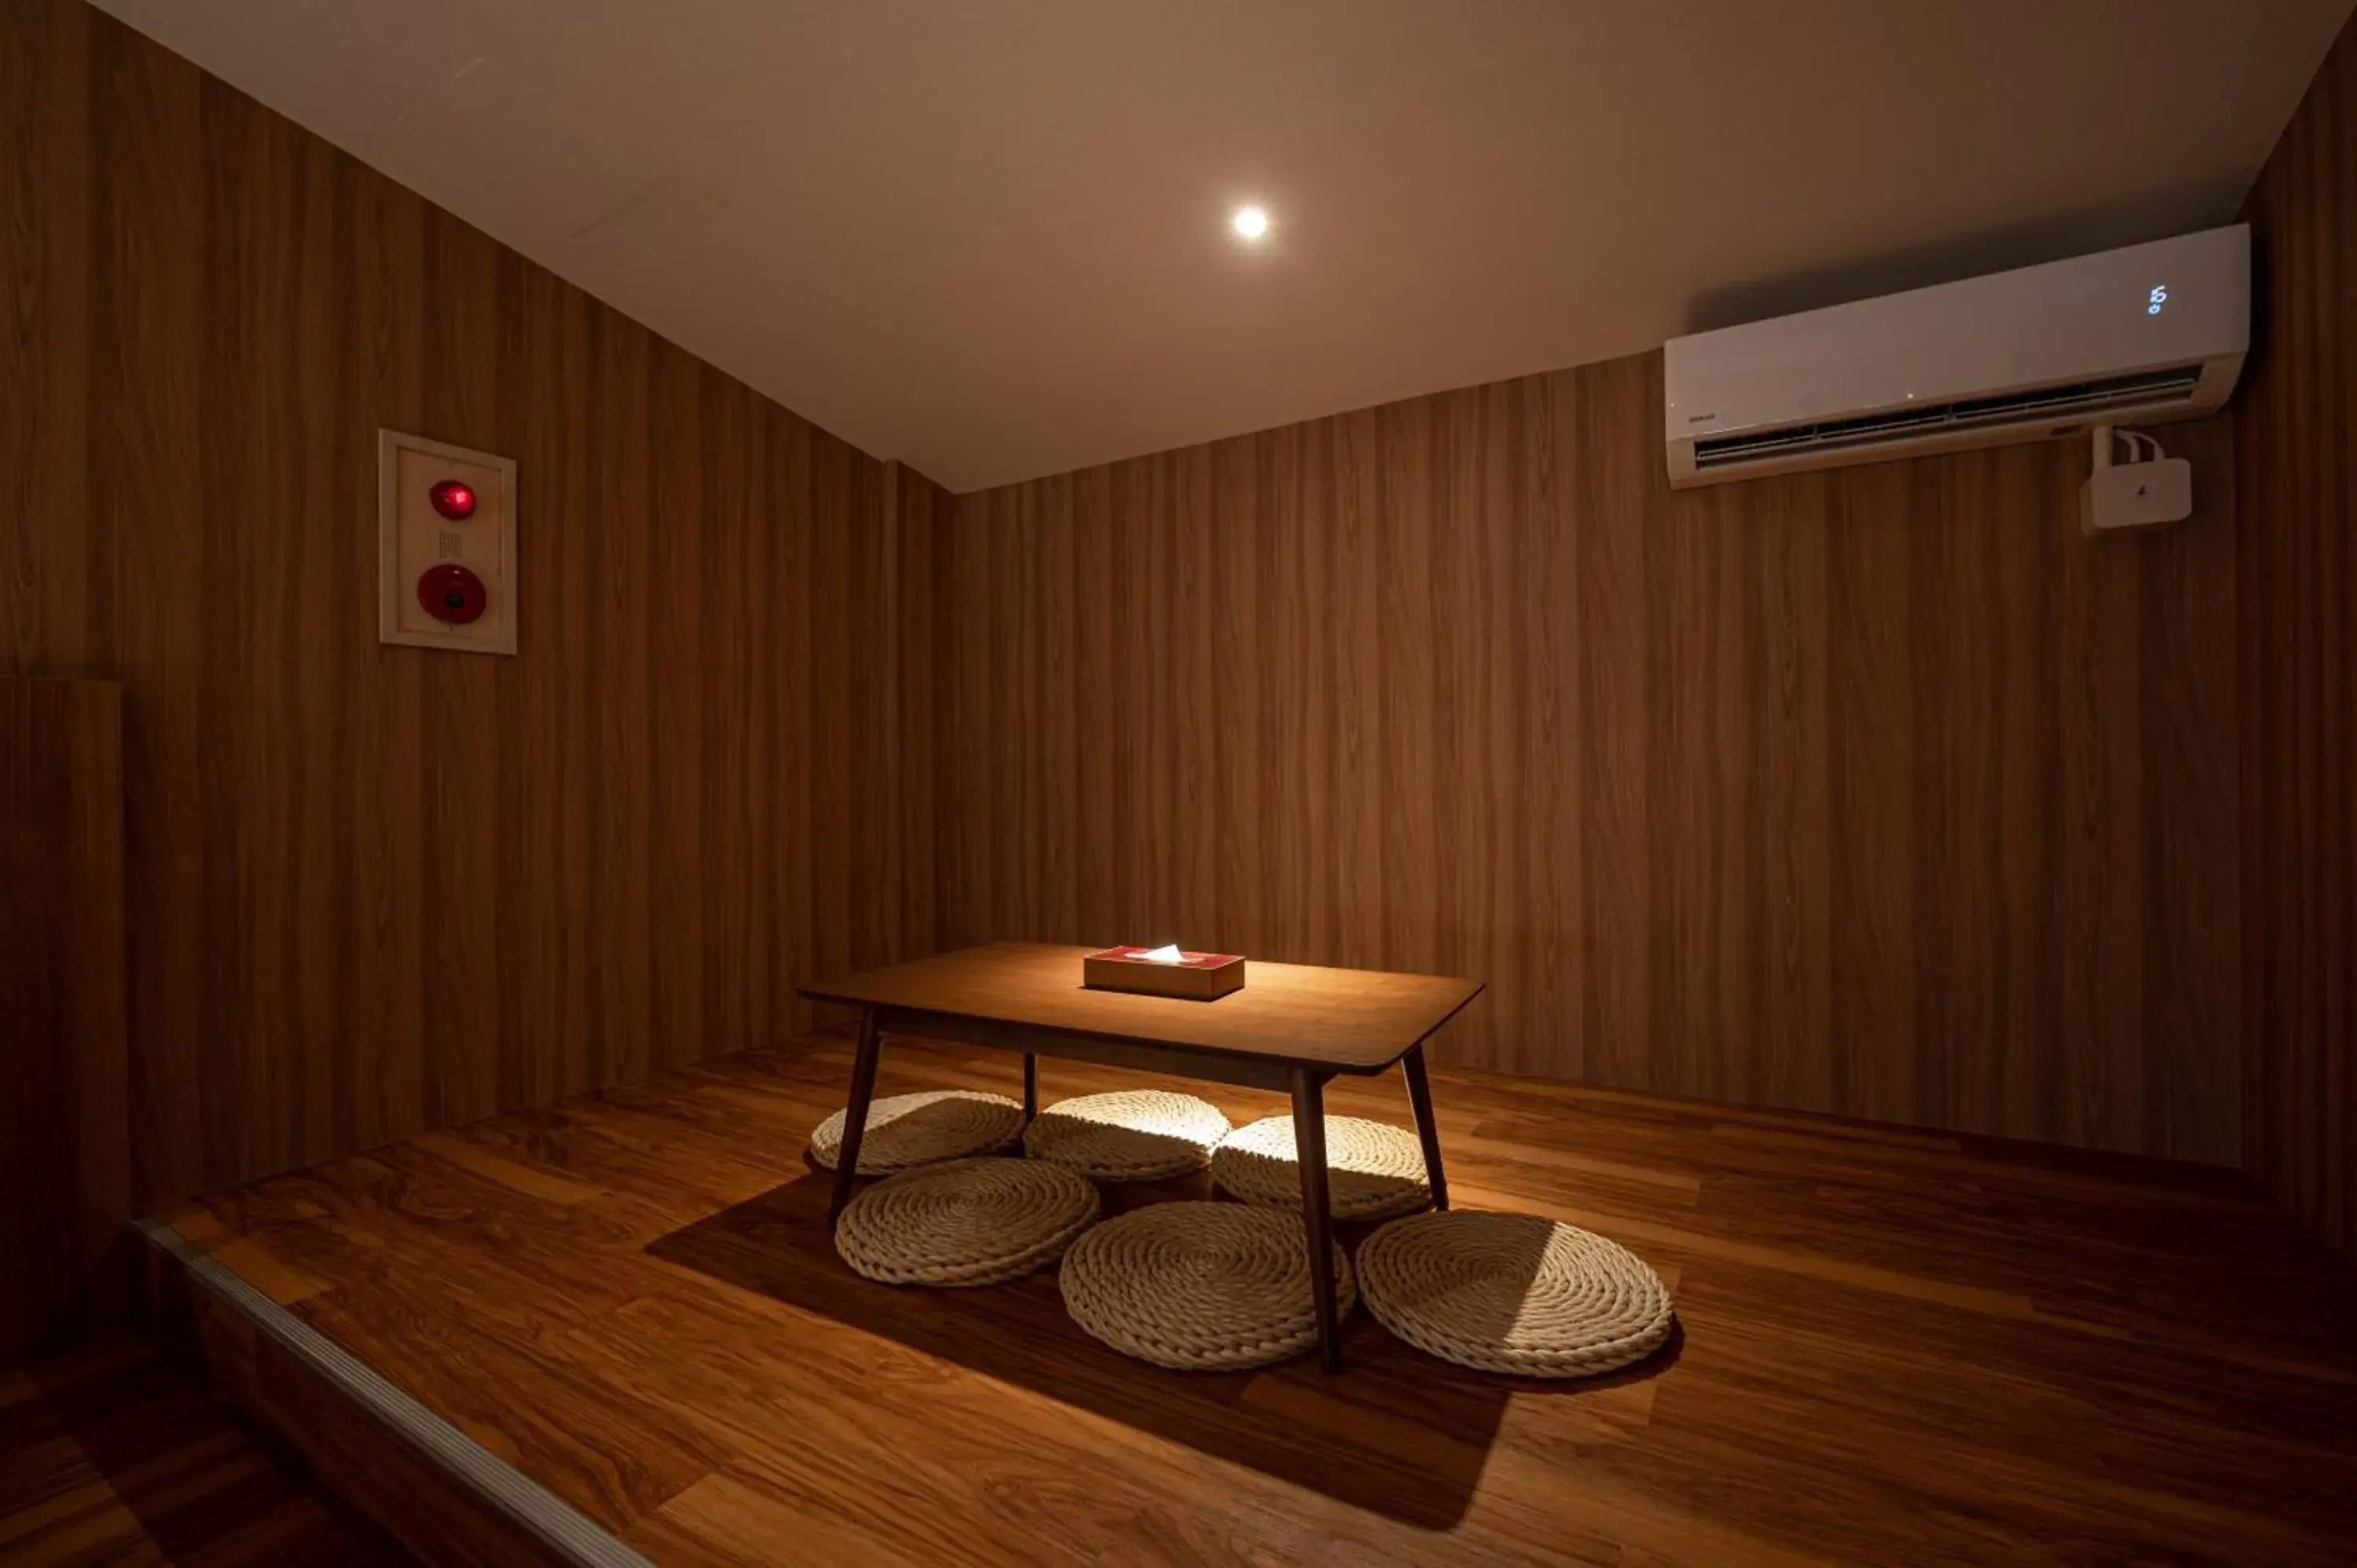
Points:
(1168, 954)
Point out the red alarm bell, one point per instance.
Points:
(452, 595)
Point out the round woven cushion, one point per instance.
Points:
(1373, 1169)
(965, 1222)
(1199, 1286)
(1134, 1134)
(906, 1130)
(1515, 1292)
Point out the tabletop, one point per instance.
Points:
(1342, 1020)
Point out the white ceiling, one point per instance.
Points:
(988, 237)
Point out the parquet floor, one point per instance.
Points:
(1896, 1347)
(108, 1456)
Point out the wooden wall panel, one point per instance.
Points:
(65, 1161)
(374, 890)
(2296, 435)
(1880, 791)
(924, 519)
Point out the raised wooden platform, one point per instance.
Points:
(1896, 1347)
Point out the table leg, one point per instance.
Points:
(1428, 1130)
(855, 1116)
(1317, 1217)
(1030, 1085)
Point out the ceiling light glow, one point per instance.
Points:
(1250, 223)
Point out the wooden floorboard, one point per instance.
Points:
(1894, 1346)
(110, 1455)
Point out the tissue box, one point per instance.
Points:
(1196, 977)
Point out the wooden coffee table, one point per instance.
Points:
(1293, 1027)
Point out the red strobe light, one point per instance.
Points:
(453, 499)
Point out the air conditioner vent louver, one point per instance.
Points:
(2145, 391)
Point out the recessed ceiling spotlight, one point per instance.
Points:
(1249, 222)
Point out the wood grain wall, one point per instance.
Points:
(65, 1160)
(375, 889)
(1879, 791)
(2296, 437)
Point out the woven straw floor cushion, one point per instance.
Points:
(1134, 1134)
(1199, 1286)
(1514, 1292)
(906, 1130)
(965, 1222)
(1373, 1169)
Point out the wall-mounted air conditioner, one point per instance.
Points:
(2130, 336)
